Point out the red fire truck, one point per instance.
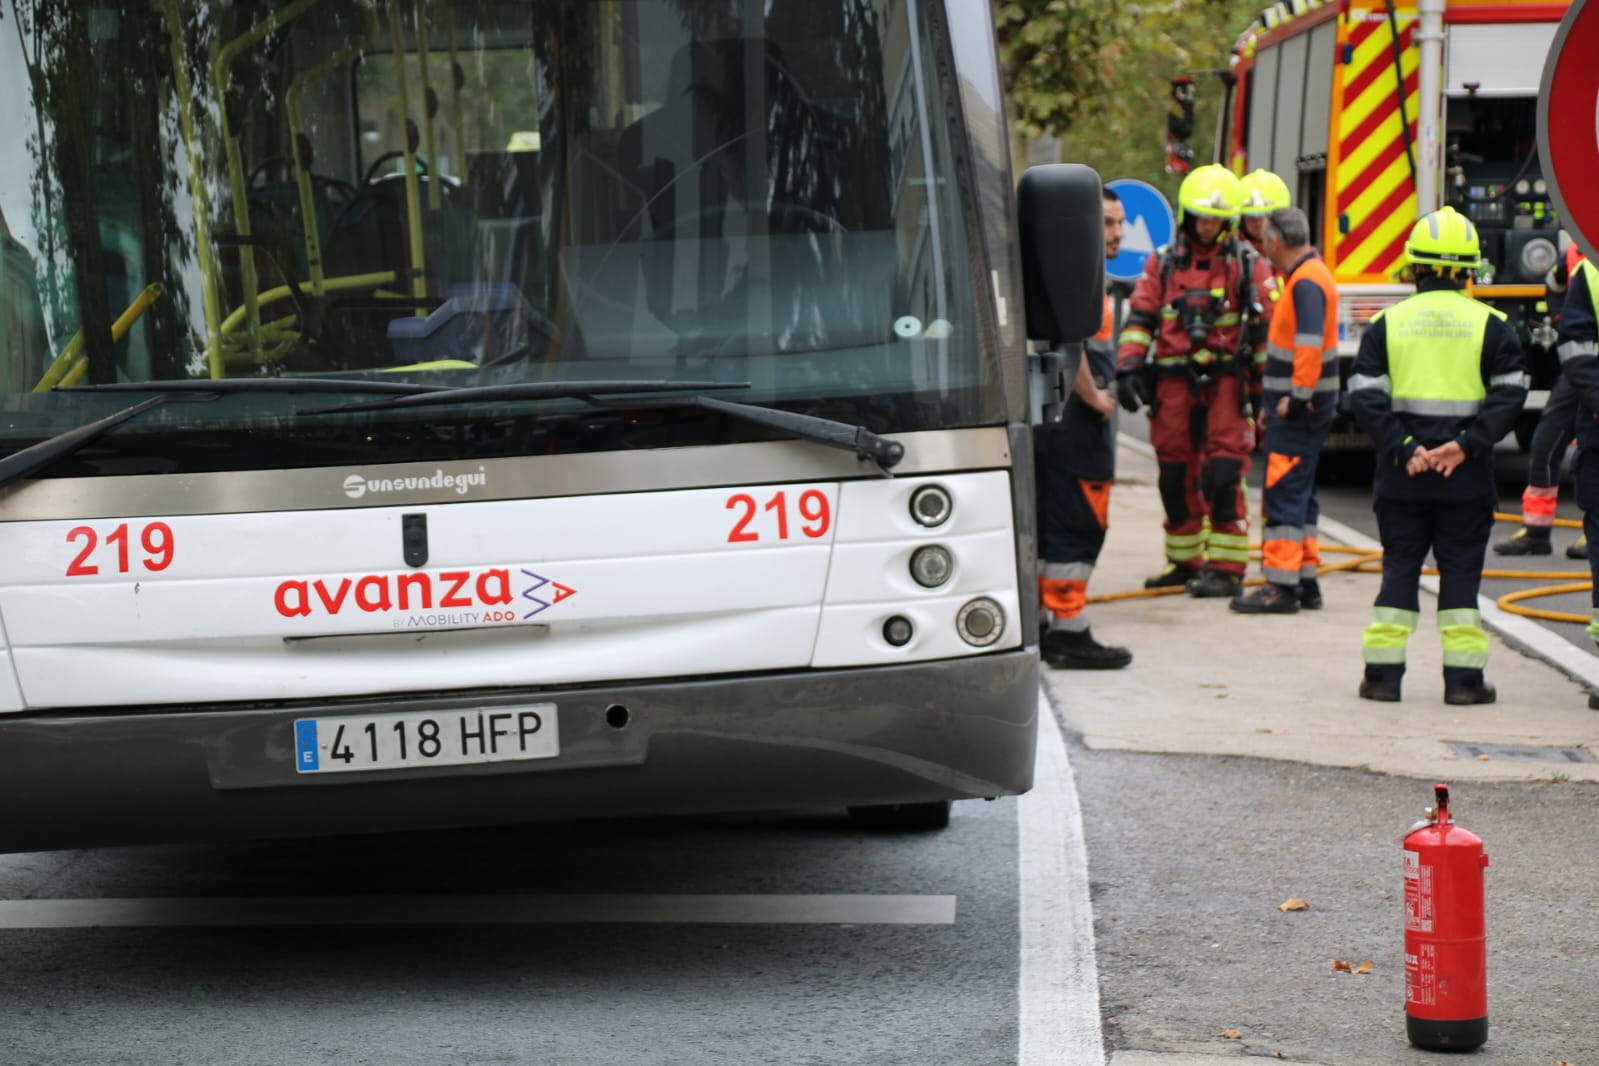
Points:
(1377, 112)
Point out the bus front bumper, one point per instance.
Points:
(953, 729)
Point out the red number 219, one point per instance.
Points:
(155, 539)
(814, 512)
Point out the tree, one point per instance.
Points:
(1095, 74)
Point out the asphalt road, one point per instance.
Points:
(618, 991)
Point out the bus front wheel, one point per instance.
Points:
(902, 817)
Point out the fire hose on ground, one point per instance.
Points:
(1365, 561)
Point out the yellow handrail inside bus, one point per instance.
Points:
(222, 76)
(72, 365)
(283, 292)
(413, 197)
(457, 76)
(210, 293)
(302, 173)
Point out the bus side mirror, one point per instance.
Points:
(1062, 215)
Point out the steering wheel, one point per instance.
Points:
(346, 192)
(392, 154)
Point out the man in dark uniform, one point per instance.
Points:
(1075, 462)
(1578, 348)
(1438, 380)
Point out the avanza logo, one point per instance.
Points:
(358, 485)
(481, 596)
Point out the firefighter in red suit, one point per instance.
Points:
(1194, 335)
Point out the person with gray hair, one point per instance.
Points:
(1299, 398)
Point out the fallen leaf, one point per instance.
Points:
(1364, 967)
(1340, 964)
(1231, 1034)
(1211, 684)
(1273, 732)
(1293, 904)
(1483, 758)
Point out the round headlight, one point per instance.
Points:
(980, 622)
(1523, 187)
(898, 631)
(931, 565)
(1538, 257)
(931, 506)
(1540, 187)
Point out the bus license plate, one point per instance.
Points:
(433, 738)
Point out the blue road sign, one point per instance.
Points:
(1149, 226)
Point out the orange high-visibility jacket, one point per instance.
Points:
(1302, 343)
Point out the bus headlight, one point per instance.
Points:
(931, 506)
(931, 565)
(980, 622)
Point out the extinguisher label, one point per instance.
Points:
(1418, 895)
(1421, 976)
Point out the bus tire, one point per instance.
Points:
(902, 817)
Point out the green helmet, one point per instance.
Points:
(1444, 238)
(1263, 193)
(1211, 191)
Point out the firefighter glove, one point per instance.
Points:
(1131, 389)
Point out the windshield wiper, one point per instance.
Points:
(870, 447)
(527, 390)
(36, 457)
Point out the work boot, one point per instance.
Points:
(1383, 691)
(1578, 549)
(1173, 576)
(1080, 651)
(1213, 584)
(1470, 692)
(1268, 599)
(1310, 594)
(1525, 541)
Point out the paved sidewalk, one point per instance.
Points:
(1205, 680)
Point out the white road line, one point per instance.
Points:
(1550, 647)
(1059, 980)
(480, 910)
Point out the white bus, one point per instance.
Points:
(430, 414)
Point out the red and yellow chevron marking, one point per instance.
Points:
(1373, 190)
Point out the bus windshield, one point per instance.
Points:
(759, 195)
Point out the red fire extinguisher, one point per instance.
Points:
(1446, 942)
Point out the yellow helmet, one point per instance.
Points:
(1263, 192)
(1211, 191)
(1444, 238)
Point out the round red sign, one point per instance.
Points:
(1568, 124)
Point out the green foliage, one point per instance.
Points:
(1095, 74)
